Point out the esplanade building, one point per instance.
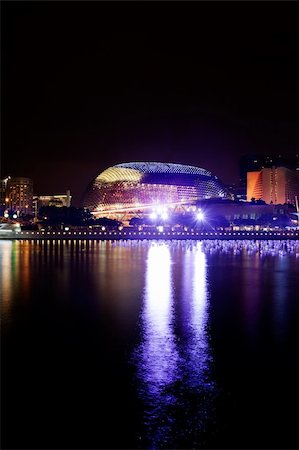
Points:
(127, 189)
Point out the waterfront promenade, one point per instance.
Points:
(150, 235)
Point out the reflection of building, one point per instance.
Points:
(17, 194)
(58, 200)
(277, 185)
(135, 187)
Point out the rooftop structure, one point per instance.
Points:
(58, 200)
(138, 187)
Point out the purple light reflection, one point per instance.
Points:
(200, 387)
(158, 358)
(199, 347)
(173, 367)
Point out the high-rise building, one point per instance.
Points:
(17, 195)
(250, 163)
(3, 195)
(277, 185)
(254, 163)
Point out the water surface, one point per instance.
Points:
(148, 344)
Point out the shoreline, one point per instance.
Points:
(148, 235)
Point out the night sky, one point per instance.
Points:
(89, 85)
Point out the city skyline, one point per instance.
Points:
(149, 224)
(90, 92)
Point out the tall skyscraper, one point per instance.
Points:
(17, 195)
(254, 163)
(3, 195)
(277, 185)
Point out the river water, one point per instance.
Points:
(147, 344)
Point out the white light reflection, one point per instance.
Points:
(199, 388)
(199, 297)
(281, 294)
(158, 355)
(199, 317)
(174, 357)
(159, 345)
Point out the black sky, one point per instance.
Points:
(86, 85)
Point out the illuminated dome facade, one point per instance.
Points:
(138, 186)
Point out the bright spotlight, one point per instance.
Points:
(200, 215)
(164, 216)
(153, 215)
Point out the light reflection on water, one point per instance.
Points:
(159, 359)
(198, 347)
(174, 373)
(6, 274)
(280, 294)
(184, 293)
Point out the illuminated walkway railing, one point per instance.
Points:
(165, 235)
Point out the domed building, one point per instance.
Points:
(138, 187)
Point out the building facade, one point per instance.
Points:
(277, 185)
(236, 210)
(17, 195)
(58, 200)
(138, 187)
(3, 195)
